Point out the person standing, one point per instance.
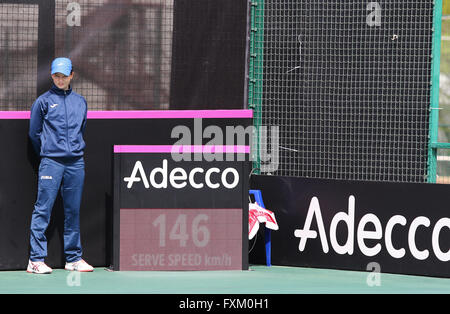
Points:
(57, 124)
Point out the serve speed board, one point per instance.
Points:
(179, 215)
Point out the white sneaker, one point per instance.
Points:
(38, 268)
(80, 265)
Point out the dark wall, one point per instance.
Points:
(124, 49)
(18, 185)
(209, 54)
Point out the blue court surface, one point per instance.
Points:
(258, 280)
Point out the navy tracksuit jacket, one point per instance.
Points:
(57, 124)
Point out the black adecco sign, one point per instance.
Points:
(405, 228)
(189, 214)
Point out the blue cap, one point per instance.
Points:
(62, 65)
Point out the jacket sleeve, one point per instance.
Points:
(36, 122)
(83, 127)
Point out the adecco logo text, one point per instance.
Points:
(179, 178)
(396, 221)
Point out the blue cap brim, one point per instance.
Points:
(62, 70)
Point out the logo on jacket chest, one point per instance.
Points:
(53, 106)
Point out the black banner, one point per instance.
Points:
(398, 227)
(156, 180)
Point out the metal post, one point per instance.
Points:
(255, 89)
(434, 103)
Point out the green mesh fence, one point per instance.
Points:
(346, 86)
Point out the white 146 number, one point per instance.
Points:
(200, 233)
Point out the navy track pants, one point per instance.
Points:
(67, 176)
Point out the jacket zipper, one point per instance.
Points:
(67, 123)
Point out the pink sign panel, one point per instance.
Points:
(180, 239)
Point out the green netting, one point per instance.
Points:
(347, 84)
